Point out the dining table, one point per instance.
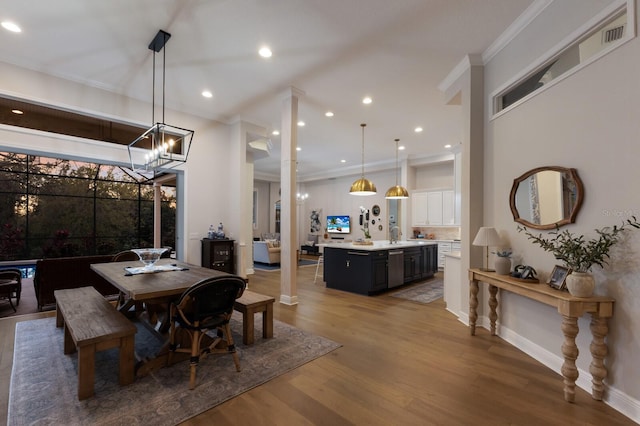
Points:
(155, 289)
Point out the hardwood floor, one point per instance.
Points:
(400, 363)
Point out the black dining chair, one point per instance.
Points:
(11, 285)
(206, 305)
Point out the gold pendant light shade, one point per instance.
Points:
(397, 192)
(363, 186)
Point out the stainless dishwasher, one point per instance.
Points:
(395, 271)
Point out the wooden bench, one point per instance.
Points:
(92, 324)
(249, 304)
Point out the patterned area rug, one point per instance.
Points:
(44, 381)
(422, 293)
(276, 267)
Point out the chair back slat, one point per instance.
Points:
(211, 297)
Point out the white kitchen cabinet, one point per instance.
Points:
(448, 208)
(419, 209)
(433, 208)
(443, 247)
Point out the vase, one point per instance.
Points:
(580, 284)
(502, 265)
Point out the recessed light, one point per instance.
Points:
(401, 148)
(418, 129)
(207, 94)
(367, 100)
(265, 52)
(328, 114)
(275, 133)
(298, 148)
(448, 146)
(17, 111)
(343, 161)
(301, 123)
(10, 26)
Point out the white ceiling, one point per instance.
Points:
(335, 51)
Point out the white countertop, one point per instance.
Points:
(380, 245)
(435, 240)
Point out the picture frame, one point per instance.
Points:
(558, 277)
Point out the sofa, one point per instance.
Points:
(69, 272)
(266, 252)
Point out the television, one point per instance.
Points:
(338, 224)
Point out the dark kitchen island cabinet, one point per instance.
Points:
(368, 270)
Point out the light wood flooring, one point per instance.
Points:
(401, 363)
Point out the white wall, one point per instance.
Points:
(436, 176)
(205, 173)
(589, 121)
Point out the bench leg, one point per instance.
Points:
(69, 345)
(247, 327)
(267, 321)
(59, 318)
(86, 365)
(127, 360)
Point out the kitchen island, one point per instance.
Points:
(371, 269)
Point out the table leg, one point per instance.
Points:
(570, 352)
(493, 304)
(598, 349)
(473, 306)
(267, 321)
(248, 327)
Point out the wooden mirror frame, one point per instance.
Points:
(571, 218)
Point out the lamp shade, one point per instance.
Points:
(363, 186)
(397, 192)
(487, 237)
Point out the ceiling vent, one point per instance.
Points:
(612, 34)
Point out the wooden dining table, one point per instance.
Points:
(153, 289)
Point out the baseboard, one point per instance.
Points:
(613, 397)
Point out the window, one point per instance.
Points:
(601, 38)
(52, 208)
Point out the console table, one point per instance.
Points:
(571, 308)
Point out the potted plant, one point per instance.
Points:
(503, 262)
(580, 254)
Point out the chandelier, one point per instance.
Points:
(162, 146)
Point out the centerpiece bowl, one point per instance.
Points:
(149, 256)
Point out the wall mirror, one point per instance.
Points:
(546, 197)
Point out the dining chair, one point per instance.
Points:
(206, 305)
(11, 285)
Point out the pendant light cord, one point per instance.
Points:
(363, 126)
(397, 140)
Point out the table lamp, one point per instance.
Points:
(486, 237)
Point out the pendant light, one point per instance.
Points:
(397, 192)
(363, 186)
(162, 146)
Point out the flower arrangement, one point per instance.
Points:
(503, 253)
(366, 232)
(576, 251)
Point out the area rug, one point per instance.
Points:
(44, 381)
(422, 293)
(276, 267)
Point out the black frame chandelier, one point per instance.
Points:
(162, 146)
